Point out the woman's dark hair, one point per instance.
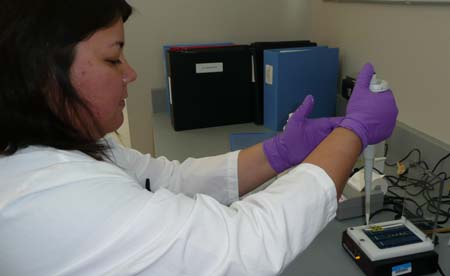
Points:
(38, 104)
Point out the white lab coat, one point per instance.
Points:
(63, 213)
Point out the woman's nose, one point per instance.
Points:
(129, 75)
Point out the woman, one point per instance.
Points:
(73, 202)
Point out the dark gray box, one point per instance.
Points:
(353, 206)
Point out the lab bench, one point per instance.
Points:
(325, 256)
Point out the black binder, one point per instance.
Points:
(257, 51)
(209, 86)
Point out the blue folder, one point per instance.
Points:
(240, 141)
(291, 75)
(166, 69)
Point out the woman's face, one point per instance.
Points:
(100, 74)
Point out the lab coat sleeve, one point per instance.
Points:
(103, 223)
(215, 176)
(259, 235)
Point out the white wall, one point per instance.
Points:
(409, 46)
(159, 22)
(124, 131)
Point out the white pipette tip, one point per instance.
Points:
(377, 85)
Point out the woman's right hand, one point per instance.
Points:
(371, 116)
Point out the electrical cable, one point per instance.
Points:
(385, 210)
(421, 186)
(440, 160)
(404, 158)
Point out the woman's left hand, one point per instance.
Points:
(299, 138)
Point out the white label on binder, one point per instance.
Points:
(269, 74)
(170, 90)
(214, 67)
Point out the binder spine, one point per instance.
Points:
(166, 71)
(258, 85)
(253, 88)
(169, 87)
(271, 64)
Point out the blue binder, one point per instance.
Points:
(166, 70)
(257, 50)
(292, 74)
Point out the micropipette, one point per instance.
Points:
(376, 86)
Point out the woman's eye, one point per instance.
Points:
(115, 61)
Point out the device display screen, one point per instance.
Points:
(393, 236)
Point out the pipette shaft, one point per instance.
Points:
(369, 156)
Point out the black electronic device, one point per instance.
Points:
(347, 87)
(391, 248)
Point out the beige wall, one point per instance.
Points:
(160, 22)
(409, 46)
(124, 130)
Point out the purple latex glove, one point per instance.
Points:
(372, 116)
(300, 137)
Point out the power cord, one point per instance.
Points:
(440, 270)
(423, 185)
